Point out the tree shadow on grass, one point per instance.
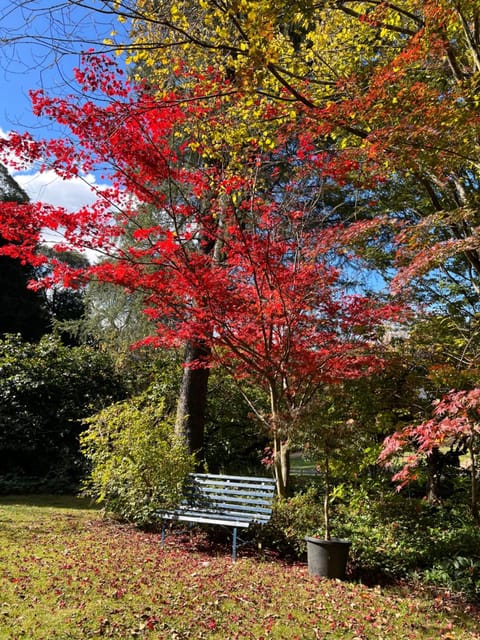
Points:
(215, 541)
(49, 501)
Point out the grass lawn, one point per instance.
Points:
(67, 573)
(300, 466)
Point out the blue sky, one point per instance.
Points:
(28, 61)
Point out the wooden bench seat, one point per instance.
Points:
(228, 501)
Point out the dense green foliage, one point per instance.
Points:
(292, 519)
(21, 310)
(397, 536)
(137, 464)
(46, 389)
(394, 537)
(234, 441)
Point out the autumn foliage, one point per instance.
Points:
(235, 261)
(386, 91)
(455, 421)
(66, 572)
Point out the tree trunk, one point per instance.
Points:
(326, 499)
(473, 479)
(192, 401)
(434, 468)
(281, 465)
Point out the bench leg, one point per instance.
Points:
(162, 541)
(234, 544)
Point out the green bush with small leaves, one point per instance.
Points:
(46, 391)
(397, 536)
(292, 519)
(137, 464)
(394, 536)
(460, 573)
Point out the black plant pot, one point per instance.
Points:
(327, 558)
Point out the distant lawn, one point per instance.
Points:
(300, 466)
(65, 573)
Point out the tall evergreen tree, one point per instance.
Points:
(21, 310)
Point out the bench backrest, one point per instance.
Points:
(242, 497)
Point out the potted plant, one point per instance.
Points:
(327, 556)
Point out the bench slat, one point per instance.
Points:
(242, 480)
(225, 478)
(196, 491)
(211, 516)
(243, 511)
(202, 519)
(237, 485)
(217, 497)
(229, 513)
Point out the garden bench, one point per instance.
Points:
(228, 501)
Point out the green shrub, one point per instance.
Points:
(137, 465)
(292, 519)
(390, 538)
(460, 574)
(396, 536)
(46, 390)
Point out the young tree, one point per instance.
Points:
(266, 304)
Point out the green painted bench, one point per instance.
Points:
(228, 501)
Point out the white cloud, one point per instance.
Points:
(72, 194)
(48, 187)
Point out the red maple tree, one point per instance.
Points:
(224, 260)
(455, 421)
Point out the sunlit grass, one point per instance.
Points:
(66, 573)
(301, 466)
